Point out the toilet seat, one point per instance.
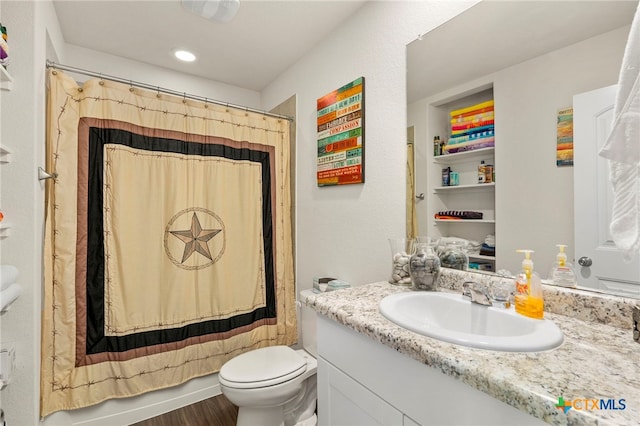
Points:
(262, 367)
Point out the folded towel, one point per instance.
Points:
(490, 240)
(9, 295)
(487, 250)
(471, 145)
(472, 130)
(473, 117)
(481, 107)
(8, 276)
(458, 215)
(622, 148)
(471, 125)
(442, 243)
(472, 136)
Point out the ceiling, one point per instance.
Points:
(264, 39)
(494, 35)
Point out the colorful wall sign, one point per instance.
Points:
(564, 146)
(341, 135)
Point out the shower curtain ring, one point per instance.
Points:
(158, 94)
(184, 97)
(101, 83)
(131, 89)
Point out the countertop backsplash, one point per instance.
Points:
(580, 304)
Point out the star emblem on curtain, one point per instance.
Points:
(196, 239)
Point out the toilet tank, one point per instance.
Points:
(307, 320)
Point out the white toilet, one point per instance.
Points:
(274, 386)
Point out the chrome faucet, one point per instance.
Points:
(477, 293)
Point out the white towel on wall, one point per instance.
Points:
(622, 147)
(8, 276)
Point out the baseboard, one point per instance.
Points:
(124, 412)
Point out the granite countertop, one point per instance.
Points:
(595, 361)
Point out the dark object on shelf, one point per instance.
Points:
(445, 176)
(452, 214)
(487, 250)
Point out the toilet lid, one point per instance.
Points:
(262, 367)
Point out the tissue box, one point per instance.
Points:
(320, 284)
(337, 284)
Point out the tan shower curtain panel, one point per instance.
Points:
(168, 240)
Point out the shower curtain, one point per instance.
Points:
(167, 240)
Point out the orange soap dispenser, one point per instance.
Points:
(528, 296)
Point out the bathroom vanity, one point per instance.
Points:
(371, 371)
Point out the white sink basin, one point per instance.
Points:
(451, 318)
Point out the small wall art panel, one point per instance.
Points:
(341, 135)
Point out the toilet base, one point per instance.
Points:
(249, 416)
(311, 421)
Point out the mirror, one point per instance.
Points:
(531, 58)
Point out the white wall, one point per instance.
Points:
(534, 197)
(541, 87)
(341, 231)
(21, 198)
(116, 66)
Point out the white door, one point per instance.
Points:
(599, 264)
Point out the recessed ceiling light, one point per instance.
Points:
(183, 55)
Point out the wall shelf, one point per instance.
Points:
(463, 157)
(464, 221)
(461, 188)
(481, 257)
(6, 81)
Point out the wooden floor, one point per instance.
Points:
(216, 411)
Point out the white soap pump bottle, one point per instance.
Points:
(562, 273)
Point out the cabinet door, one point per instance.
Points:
(344, 402)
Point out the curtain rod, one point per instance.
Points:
(51, 64)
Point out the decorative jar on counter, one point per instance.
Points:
(400, 249)
(454, 257)
(424, 267)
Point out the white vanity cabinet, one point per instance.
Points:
(347, 402)
(363, 382)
